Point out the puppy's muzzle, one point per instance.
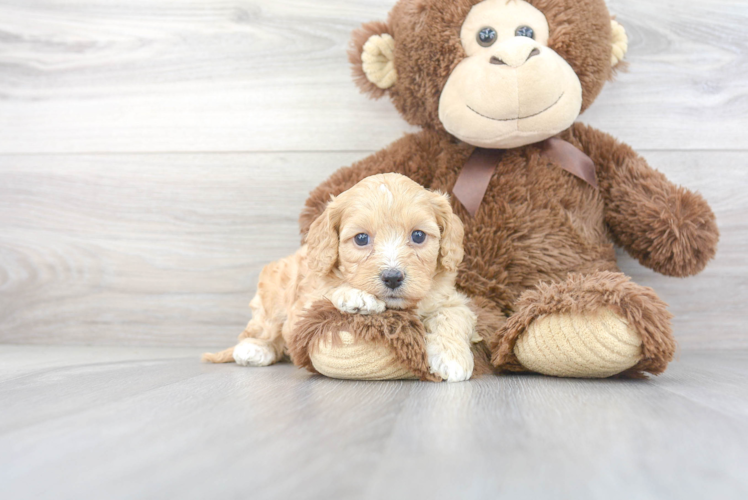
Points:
(392, 278)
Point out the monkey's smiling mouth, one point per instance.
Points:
(519, 117)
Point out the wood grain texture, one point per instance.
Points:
(158, 424)
(254, 75)
(126, 248)
(122, 235)
(166, 249)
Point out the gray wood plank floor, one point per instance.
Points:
(88, 422)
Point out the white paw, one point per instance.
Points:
(456, 366)
(248, 353)
(355, 301)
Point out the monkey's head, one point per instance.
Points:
(493, 73)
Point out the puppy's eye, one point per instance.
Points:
(418, 237)
(486, 37)
(361, 239)
(525, 31)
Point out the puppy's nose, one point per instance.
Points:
(392, 278)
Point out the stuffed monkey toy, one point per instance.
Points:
(497, 86)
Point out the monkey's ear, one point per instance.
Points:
(372, 54)
(620, 43)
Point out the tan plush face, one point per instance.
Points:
(511, 89)
(387, 236)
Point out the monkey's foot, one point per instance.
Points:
(596, 325)
(356, 360)
(589, 345)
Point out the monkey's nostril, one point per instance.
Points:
(535, 52)
(496, 60)
(392, 278)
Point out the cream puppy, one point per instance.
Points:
(385, 243)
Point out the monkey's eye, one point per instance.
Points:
(486, 37)
(418, 237)
(361, 239)
(525, 31)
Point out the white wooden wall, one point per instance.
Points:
(155, 154)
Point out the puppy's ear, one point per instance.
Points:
(450, 251)
(372, 55)
(322, 240)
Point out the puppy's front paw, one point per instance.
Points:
(453, 363)
(250, 353)
(355, 301)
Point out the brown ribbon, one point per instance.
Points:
(476, 174)
(568, 157)
(473, 180)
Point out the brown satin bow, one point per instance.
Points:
(475, 176)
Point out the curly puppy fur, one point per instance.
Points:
(537, 224)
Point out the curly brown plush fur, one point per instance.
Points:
(666, 227)
(538, 225)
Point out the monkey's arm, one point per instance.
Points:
(666, 227)
(406, 156)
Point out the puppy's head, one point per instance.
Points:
(388, 236)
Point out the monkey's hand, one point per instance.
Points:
(666, 227)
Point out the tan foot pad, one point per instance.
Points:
(589, 345)
(354, 361)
